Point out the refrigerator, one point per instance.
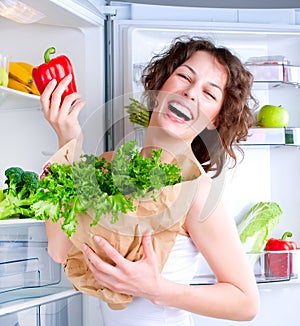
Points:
(109, 43)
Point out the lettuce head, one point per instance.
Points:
(256, 227)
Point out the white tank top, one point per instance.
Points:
(180, 267)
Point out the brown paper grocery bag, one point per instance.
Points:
(162, 218)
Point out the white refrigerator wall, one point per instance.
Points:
(26, 139)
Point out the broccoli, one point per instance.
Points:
(29, 184)
(19, 194)
(14, 179)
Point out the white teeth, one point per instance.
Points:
(180, 111)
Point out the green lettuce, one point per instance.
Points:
(256, 227)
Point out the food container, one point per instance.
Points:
(268, 59)
(279, 73)
(273, 266)
(292, 136)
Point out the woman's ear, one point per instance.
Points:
(214, 124)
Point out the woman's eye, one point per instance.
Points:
(184, 76)
(210, 94)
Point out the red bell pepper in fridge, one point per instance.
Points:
(56, 68)
(281, 264)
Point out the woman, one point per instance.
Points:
(195, 89)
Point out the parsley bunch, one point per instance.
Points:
(102, 186)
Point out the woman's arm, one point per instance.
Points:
(58, 242)
(235, 295)
(213, 231)
(64, 121)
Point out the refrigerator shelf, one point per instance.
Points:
(21, 222)
(12, 99)
(21, 299)
(257, 136)
(273, 136)
(275, 75)
(26, 264)
(268, 267)
(24, 259)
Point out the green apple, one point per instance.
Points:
(272, 116)
(3, 77)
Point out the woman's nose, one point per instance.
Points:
(188, 93)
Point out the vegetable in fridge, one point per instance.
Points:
(257, 225)
(15, 200)
(281, 264)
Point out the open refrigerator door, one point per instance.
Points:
(33, 289)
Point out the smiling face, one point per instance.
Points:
(192, 97)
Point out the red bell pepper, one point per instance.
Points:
(281, 264)
(56, 68)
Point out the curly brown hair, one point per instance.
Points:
(210, 147)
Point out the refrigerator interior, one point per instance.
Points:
(265, 170)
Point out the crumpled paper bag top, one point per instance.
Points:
(163, 218)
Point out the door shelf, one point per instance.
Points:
(21, 299)
(28, 276)
(24, 259)
(273, 136)
(268, 267)
(26, 222)
(274, 75)
(12, 99)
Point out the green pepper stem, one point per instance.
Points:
(286, 234)
(47, 54)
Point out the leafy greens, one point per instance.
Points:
(258, 224)
(96, 184)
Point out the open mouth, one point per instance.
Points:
(180, 111)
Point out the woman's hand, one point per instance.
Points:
(139, 279)
(63, 120)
